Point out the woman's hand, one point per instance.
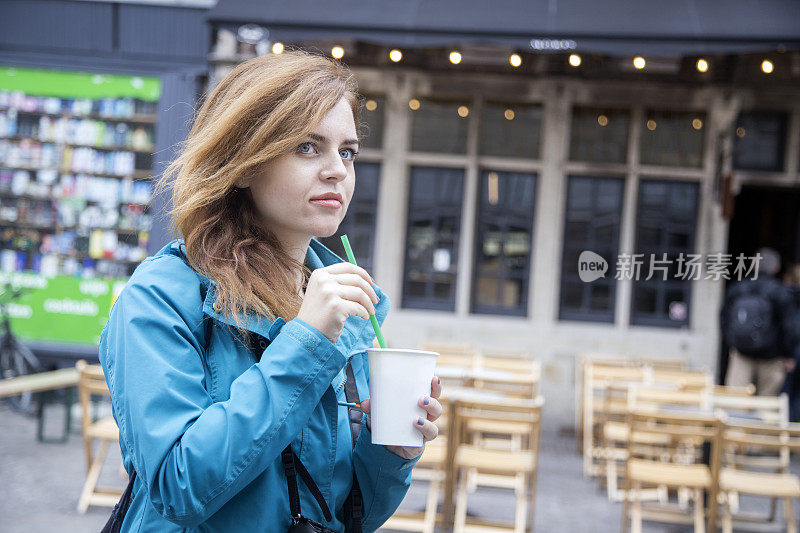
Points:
(426, 427)
(334, 293)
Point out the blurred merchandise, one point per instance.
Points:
(75, 171)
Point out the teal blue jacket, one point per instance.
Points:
(204, 425)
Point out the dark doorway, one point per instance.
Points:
(764, 216)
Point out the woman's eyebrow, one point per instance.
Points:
(323, 140)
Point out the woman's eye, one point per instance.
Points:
(306, 148)
(348, 154)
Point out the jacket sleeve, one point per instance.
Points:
(383, 476)
(194, 454)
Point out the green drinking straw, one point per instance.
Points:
(375, 326)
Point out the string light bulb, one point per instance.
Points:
(455, 57)
(639, 62)
(767, 67)
(575, 60)
(396, 55)
(515, 60)
(277, 48)
(337, 52)
(702, 65)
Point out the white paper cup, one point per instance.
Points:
(397, 380)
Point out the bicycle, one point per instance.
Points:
(16, 359)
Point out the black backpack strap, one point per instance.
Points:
(292, 466)
(355, 502)
(114, 524)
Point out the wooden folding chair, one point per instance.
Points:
(430, 468)
(597, 403)
(478, 466)
(644, 397)
(516, 377)
(676, 463)
(91, 382)
(772, 410)
(740, 440)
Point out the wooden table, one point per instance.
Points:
(44, 382)
(41, 381)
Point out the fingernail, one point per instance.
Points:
(439, 381)
(426, 401)
(420, 421)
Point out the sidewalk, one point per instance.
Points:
(40, 484)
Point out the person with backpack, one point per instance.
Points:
(758, 326)
(236, 356)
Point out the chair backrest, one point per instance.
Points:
(739, 439)
(681, 437)
(660, 398)
(521, 411)
(760, 435)
(512, 376)
(448, 348)
(91, 382)
(768, 409)
(730, 390)
(685, 379)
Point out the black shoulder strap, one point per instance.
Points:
(355, 502)
(293, 466)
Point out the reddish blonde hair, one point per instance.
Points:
(260, 111)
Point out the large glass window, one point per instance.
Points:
(599, 135)
(760, 140)
(359, 223)
(666, 221)
(439, 126)
(372, 117)
(503, 243)
(511, 130)
(592, 225)
(432, 238)
(673, 139)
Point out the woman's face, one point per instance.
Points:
(305, 193)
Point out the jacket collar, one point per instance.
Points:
(357, 333)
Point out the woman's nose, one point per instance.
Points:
(335, 168)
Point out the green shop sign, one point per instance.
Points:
(65, 84)
(61, 308)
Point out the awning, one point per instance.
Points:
(614, 27)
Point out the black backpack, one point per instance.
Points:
(752, 326)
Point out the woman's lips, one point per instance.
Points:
(328, 202)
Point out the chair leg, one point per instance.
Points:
(611, 479)
(434, 488)
(636, 510)
(725, 511)
(788, 511)
(699, 512)
(521, 512)
(461, 504)
(92, 477)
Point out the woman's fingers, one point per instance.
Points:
(349, 268)
(431, 406)
(436, 387)
(357, 295)
(357, 281)
(365, 405)
(427, 428)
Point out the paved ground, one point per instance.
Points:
(40, 484)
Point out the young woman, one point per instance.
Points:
(233, 346)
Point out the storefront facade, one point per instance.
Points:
(479, 186)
